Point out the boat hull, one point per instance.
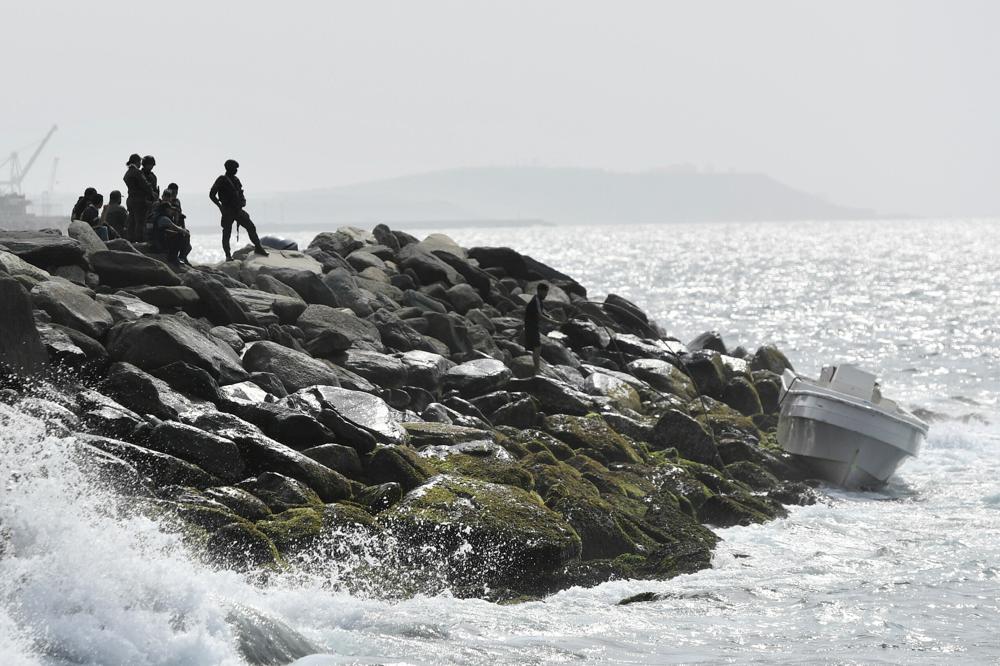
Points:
(843, 441)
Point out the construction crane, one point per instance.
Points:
(17, 172)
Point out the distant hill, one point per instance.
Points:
(559, 195)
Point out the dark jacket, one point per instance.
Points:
(139, 187)
(229, 190)
(115, 216)
(91, 215)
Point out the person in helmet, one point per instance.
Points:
(227, 194)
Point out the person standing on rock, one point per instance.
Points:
(141, 194)
(227, 194)
(534, 312)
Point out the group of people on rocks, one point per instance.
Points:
(158, 219)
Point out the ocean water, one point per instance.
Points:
(909, 574)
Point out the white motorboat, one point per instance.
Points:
(842, 430)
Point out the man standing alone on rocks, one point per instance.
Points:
(227, 194)
(533, 313)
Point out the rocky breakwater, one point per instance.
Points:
(293, 410)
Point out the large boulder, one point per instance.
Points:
(126, 307)
(163, 296)
(84, 234)
(317, 319)
(428, 268)
(216, 302)
(71, 349)
(477, 377)
(348, 292)
(153, 342)
(770, 358)
(363, 410)
(397, 464)
(144, 394)
(307, 284)
(663, 376)
(425, 369)
(262, 454)
(161, 468)
(43, 248)
(71, 306)
(341, 242)
(692, 441)
(14, 265)
(212, 453)
(592, 436)
(496, 535)
(386, 371)
(255, 301)
(125, 269)
(21, 348)
(295, 369)
(552, 396)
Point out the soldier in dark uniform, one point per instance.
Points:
(168, 236)
(141, 196)
(115, 215)
(227, 194)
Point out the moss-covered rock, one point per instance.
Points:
(691, 439)
(398, 464)
(506, 472)
(242, 547)
(488, 534)
(770, 358)
(442, 434)
(592, 436)
(741, 395)
(280, 492)
(293, 530)
(751, 474)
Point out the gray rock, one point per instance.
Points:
(710, 340)
(425, 369)
(427, 267)
(306, 284)
(244, 393)
(360, 260)
(295, 369)
(161, 468)
(42, 248)
(104, 416)
(343, 459)
(166, 297)
(416, 299)
(690, 438)
(262, 454)
(21, 349)
(477, 377)
(189, 380)
(663, 376)
(271, 285)
(280, 492)
(398, 334)
(145, 394)
(316, 319)
(341, 242)
(71, 349)
(288, 308)
(14, 265)
(229, 336)
(452, 331)
(386, 371)
(463, 297)
(84, 234)
(125, 269)
(126, 307)
(365, 411)
(344, 287)
(217, 303)
(240, 502)
(553, 397)
(152, 342)
(770, 358)
(214, 454)
(73, 307)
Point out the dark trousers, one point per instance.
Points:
(241, 218)
(138, 209)
(176, 246)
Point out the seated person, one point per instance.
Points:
(114, 216)
(169, 237)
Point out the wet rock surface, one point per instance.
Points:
(379, 382)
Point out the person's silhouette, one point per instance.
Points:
(227, 194)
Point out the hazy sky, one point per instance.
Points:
(888, 104)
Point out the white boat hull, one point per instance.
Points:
(845, 440)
